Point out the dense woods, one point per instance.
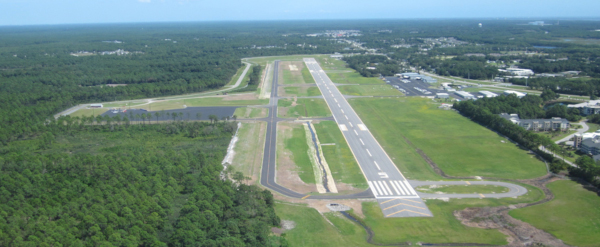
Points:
(156, 187)
(383, 65)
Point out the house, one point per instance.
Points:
(553, 124)
(96, 105)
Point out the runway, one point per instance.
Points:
(394, 193)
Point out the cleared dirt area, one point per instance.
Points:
(518, 233)
(321, 205)
(287, 170)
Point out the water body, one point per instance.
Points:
(314, 139)
(544, 47)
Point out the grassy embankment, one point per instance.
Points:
(463, 189)
(572, 216)
(457, 145)
(303, 108)
(341, 162)
(250, 112)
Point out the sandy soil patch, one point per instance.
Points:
(321, 205)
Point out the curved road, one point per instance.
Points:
(268, 170)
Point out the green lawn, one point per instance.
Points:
(328, 63)
(304, 108)
(307, 76)
(370, 90)
(88, 112)
(339, 157)
(251, 112)
(289, 78)
(312, 229)
(443, 227)
(249, 149)
(301, 91)
(572, 216)
(353, 78)
(463, 189)
(296, 144)
(208, 101)
(459, 146)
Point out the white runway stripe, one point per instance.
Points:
(372, 188)
(385, 192)
(404, 188)
(388, 188)
(395, 188)
(377, 187)
(410, 188)
(399, 187)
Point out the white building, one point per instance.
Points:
(442, 95)
(96, 105)
(588, 108)
(519, 71)
(518, 94)
(465, 95)
(488, 94)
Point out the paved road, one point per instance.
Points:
(514, 190)
(383, 177)
(584, 129)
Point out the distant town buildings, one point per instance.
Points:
(587, 108)
(517, 71)
(536, 23)
(518, 94)
(553, 124)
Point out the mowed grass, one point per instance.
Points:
(312, 229)
(300, 76)
(301, 91)
(572, 216)
(443, 227)
(88, 112)
(303, 108)
(369, 90)
(464, 189)
(341, 162)
(249, 149)
(307, 76)
(251, 112)
(353, 78)
(296, 144)
(457, 145)
(328, 63)
(207, 101)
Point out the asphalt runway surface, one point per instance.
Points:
(189, 113)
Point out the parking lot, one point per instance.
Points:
(413, 87)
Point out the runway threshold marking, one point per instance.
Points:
(404, 205)
(305, 197)
(408, 211)
(389, 200)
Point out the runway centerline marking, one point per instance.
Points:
(369, 153)
(355, 132)
(361, 141)
(377, 165)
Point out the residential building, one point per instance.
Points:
(587, 108)
(553, 124)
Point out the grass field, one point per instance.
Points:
(459, 146)
(312, 229)
(306, 75)
(88, 112)
(251, 112)
(443, 227)
(208, 101)
(370, 90)
(295, 142)
(301, 91)
(339, 157)
(353, 78)
(328, 63)
(463, 189)
(249, 149)
(303, 108)
(572, 216)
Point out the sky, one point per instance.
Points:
(50, 12)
